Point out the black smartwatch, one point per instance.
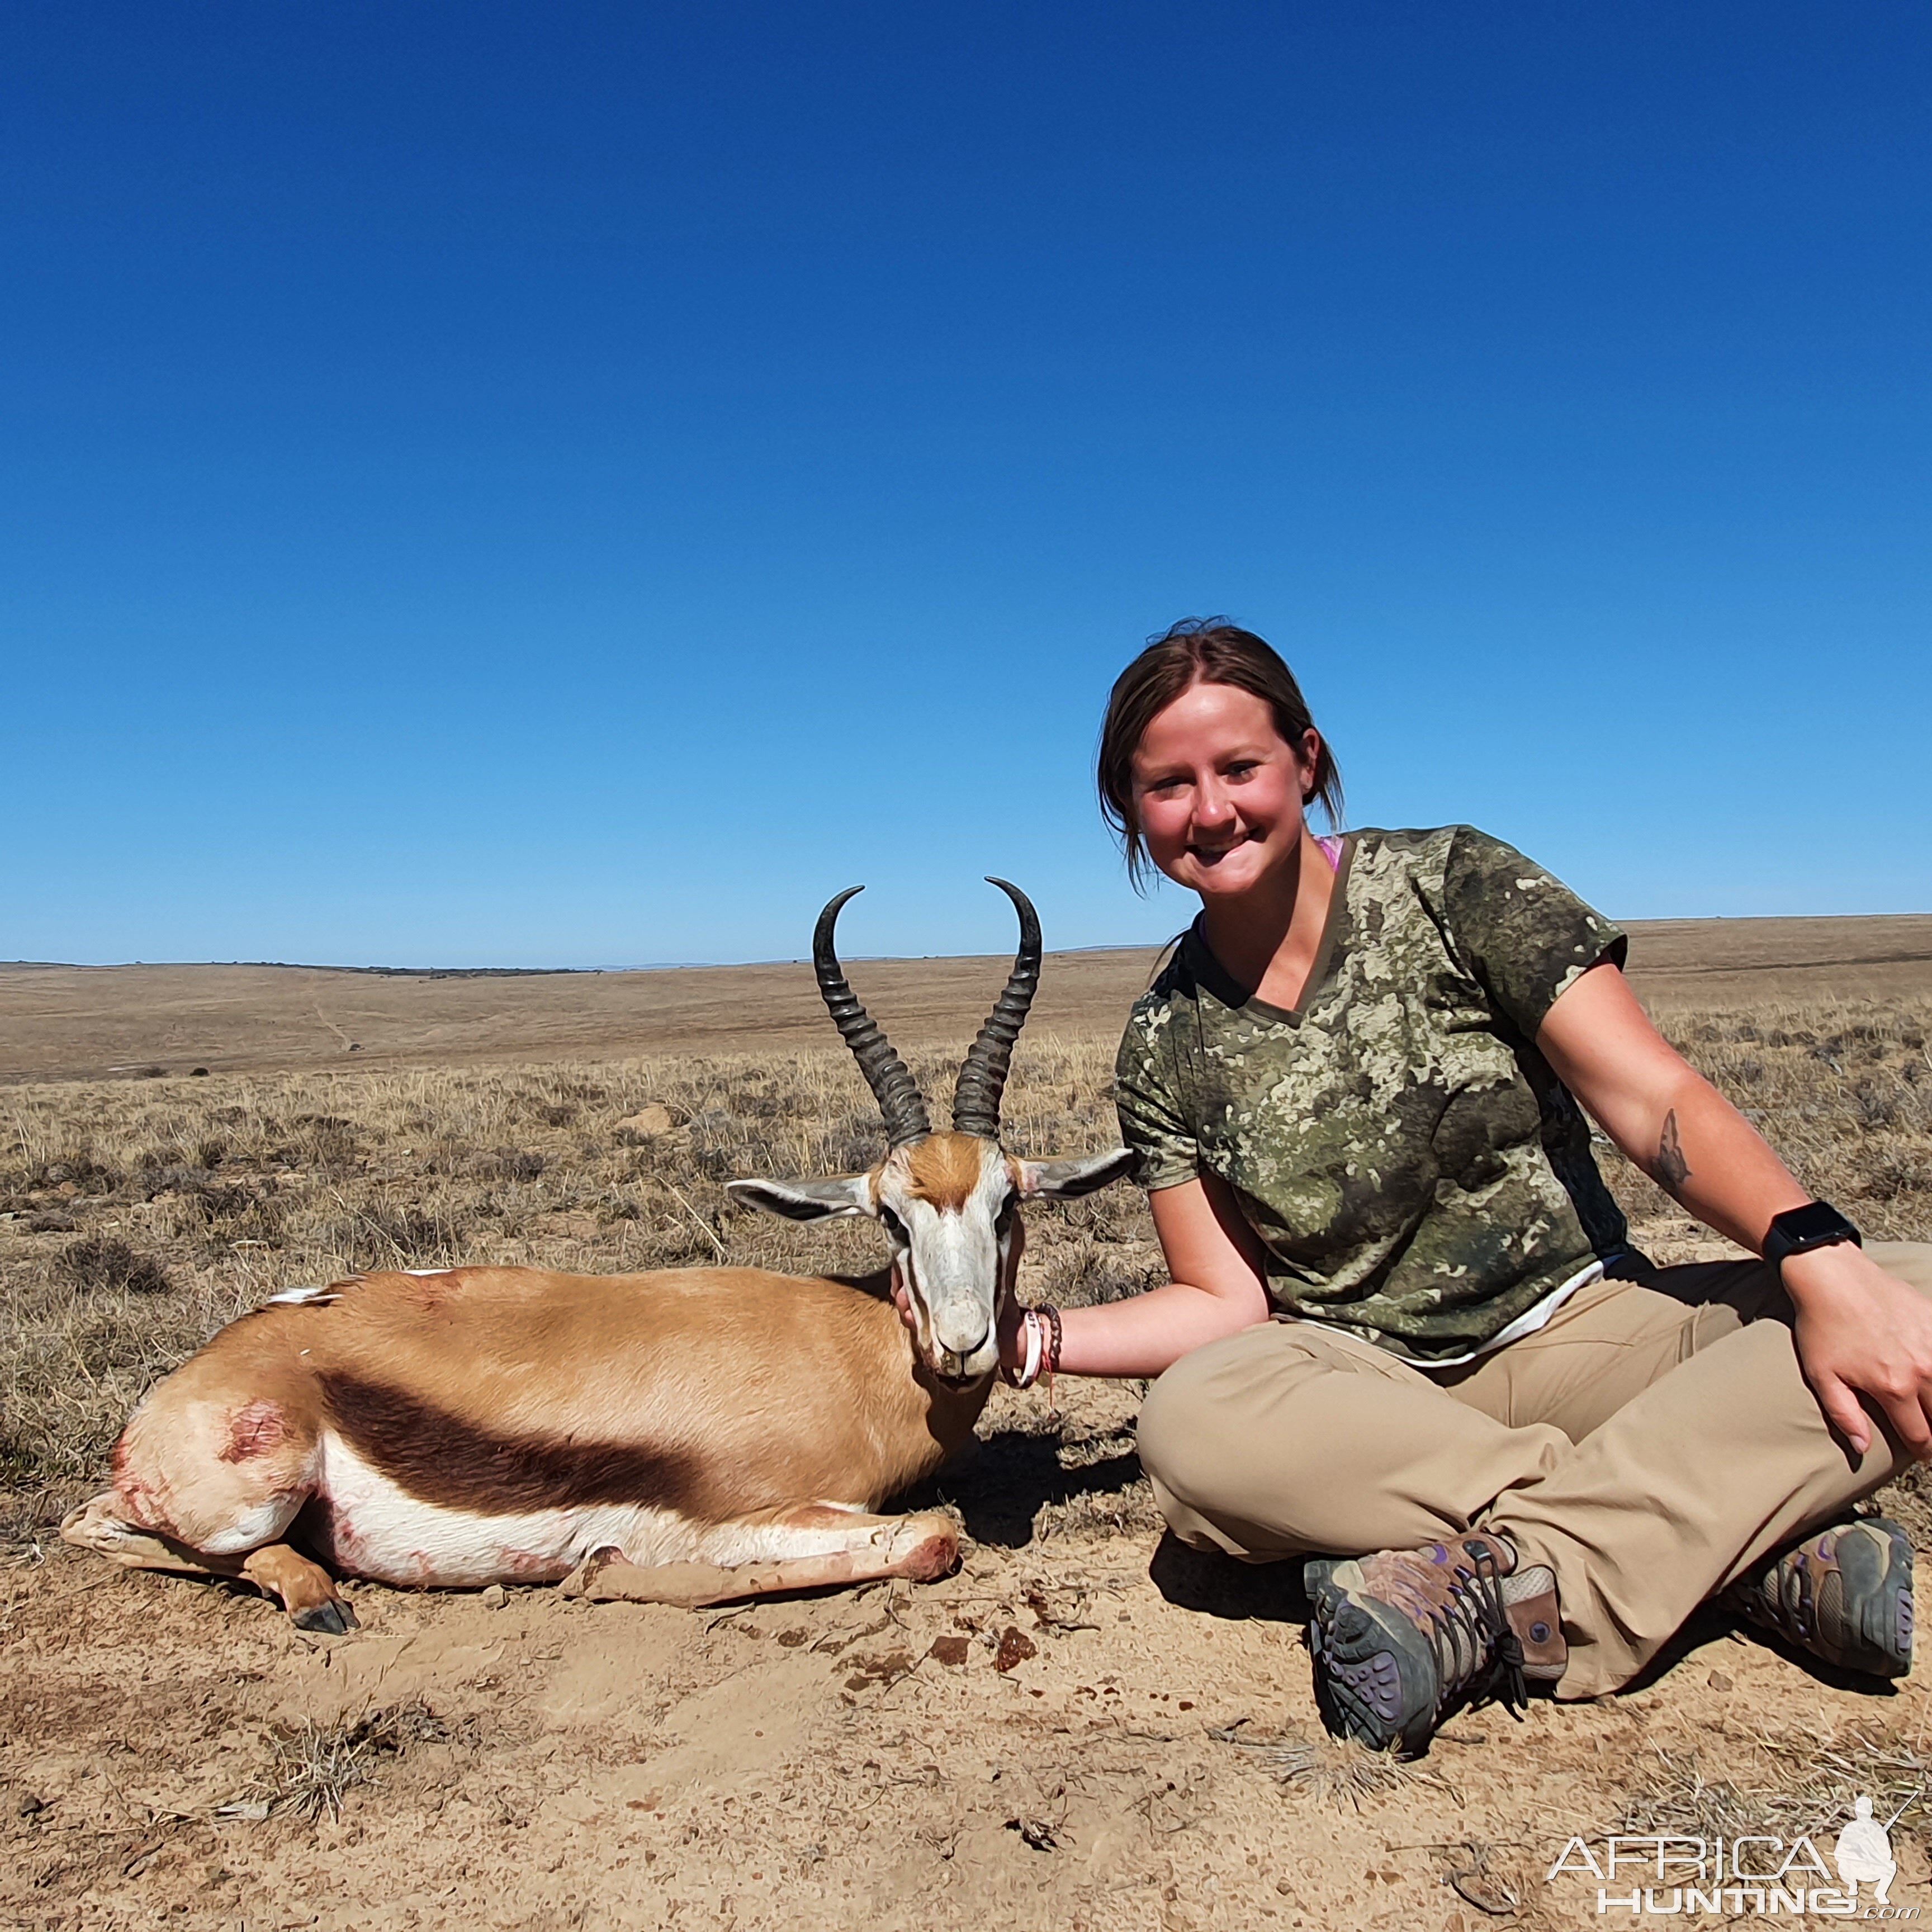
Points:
(1817, 1224)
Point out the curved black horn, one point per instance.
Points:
(976, 1100)
(885, 1071)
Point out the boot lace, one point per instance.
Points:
(1473, 1624)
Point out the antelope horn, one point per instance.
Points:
(976, 1100)
(885, 1071)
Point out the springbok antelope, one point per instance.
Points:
(687, 1435)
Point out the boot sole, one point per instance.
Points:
(1876, 1609)
(1370, 1665)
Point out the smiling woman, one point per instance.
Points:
(1406, 1337)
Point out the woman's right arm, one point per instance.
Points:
(1218, 1289)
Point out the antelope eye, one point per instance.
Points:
(1003, 1219)
(894, 1226)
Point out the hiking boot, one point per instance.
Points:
(1403, 1637)
(1843, 1594)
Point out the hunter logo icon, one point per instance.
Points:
(1863, 1853)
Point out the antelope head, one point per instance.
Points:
(949, 1202)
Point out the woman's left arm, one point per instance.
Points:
(1858, 1331)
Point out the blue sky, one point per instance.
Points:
(579, 484)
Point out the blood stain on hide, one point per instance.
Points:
(254, 1431)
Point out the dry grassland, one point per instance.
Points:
(1086, 1727)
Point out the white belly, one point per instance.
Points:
(380, 1531)
(376, 1528)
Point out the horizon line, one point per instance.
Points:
(856, 959)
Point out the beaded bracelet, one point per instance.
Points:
(1051, 1316)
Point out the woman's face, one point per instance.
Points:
(1219, 792)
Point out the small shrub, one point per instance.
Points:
(89, 1175)
(324, 1142)
(508, 1164)
(100, 1262)
(380, 1236)
(1898, 1171)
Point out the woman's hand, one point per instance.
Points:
(1860, 1333)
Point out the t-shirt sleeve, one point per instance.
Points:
(1524, 933)
(1151, 1122)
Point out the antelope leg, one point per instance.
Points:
(96, 1526)
(304, 1588)
(921, 1547)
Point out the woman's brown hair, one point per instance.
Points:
(1197, 650)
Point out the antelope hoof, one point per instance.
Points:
(333, 1617)
(582, 1581)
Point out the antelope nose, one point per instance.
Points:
(961, 1353)
(960, 1340)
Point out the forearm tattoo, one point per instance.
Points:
(1671, 1170)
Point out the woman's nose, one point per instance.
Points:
(1212, 805)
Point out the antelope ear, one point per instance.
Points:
(1068, 1180)
(840, 1195)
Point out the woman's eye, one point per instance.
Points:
(1246, 769)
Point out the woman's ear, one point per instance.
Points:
(1308, 762)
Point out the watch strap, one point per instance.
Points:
(1799, 1230)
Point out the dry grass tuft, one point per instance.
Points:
(314, 1766)
(1339, 1770)
(1788, 1785)
(98, 1261)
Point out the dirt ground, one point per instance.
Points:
(1086, 1727)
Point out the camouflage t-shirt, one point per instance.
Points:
(1417, 1174)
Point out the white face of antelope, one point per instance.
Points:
(949, 1204)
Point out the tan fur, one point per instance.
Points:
(946, 1168)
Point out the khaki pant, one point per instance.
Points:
(1650, 1444)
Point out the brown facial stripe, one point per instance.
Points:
(945, 1168)
(439, 1458)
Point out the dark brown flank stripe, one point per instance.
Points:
(439, 1458)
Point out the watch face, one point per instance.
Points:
(1819, 1221)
